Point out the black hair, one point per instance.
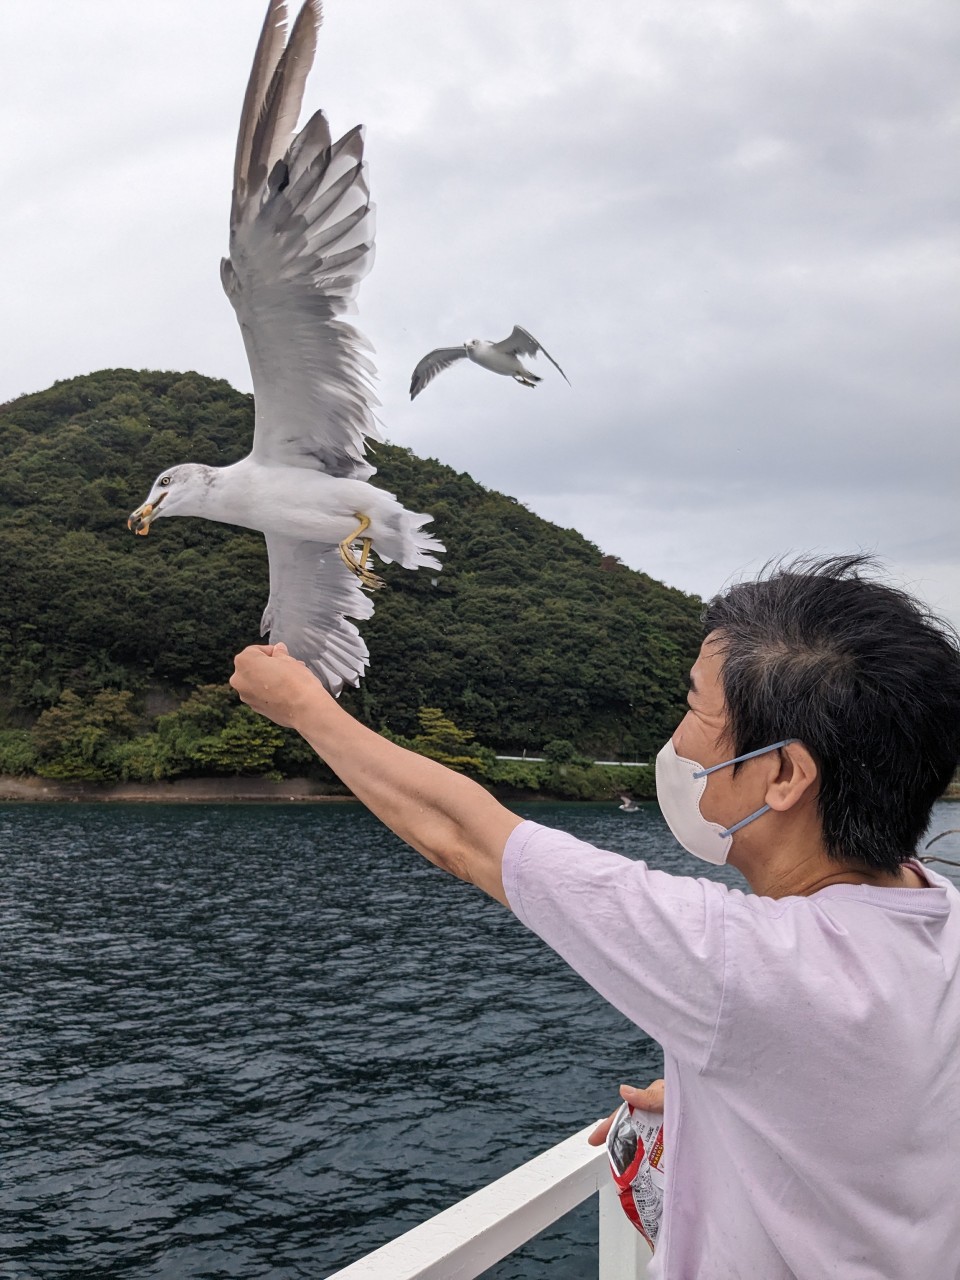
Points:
(864, 676)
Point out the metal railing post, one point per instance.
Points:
(624, 1253)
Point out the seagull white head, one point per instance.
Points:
(178, 491)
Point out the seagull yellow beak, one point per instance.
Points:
(139, 520)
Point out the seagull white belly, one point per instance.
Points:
(488, 357)
(299, 503)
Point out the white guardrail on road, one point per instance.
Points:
(621, 764)
(464, 1240)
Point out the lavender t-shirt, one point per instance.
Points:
(812, 1051)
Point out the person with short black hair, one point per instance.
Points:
(865, 678)
(811, 1029)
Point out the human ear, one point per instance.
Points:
(797, 778)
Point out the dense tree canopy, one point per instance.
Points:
(527, 635)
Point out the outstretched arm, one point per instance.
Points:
(452, 821)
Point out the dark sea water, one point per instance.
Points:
(259, 1041)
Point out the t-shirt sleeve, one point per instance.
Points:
(650, 943)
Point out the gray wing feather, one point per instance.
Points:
(312, 596)
(269, 49)
(301, 240)
(432, 364)
(274, 95)
(522, 343)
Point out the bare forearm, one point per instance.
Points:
(452, 821)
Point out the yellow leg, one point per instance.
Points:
(359, 567)
(362, 527)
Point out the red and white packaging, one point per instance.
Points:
(635, 1149)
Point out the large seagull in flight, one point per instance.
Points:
(301, 240)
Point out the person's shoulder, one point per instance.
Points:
(936, 880)
(550, 853)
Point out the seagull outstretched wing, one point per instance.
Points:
(301, 240)
(309, 596)
(432, 364)
(521, 343)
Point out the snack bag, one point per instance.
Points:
(635, 1148)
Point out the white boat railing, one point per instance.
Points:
(464, 1240)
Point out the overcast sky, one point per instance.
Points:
(733, 224)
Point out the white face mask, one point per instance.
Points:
(680, 784)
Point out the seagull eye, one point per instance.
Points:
(166, 479)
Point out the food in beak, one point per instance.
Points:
(139, 520)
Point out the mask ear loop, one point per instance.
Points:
(743, 821)
(749, 755)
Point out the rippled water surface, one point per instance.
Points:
(258, 1041)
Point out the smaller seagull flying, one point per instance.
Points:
(499, 357)
(628, 804)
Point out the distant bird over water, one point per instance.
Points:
(499, 357)
(301, 240)
(628, 804)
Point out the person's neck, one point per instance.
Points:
(801, 866)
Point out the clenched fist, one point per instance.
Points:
(276, 685)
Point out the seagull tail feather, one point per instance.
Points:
(402, 538)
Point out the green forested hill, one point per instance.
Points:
(527, 635)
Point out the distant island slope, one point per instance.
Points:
(114, 650)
